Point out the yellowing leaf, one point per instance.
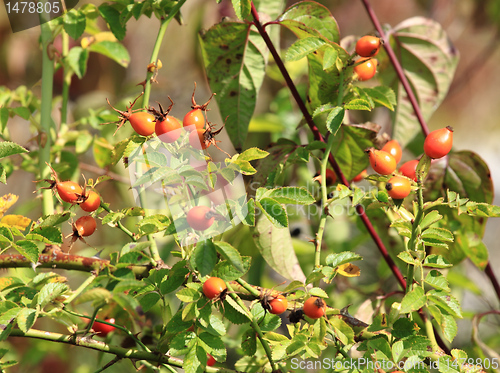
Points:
(16, 221)
(348, 270)
(6, 202)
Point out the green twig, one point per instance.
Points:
(255, 326)
(324, 198)
(120, 225)
(145, 102)
(46, 124)
(80, 289)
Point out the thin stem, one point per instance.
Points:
(98, 345)
(248, 287)
(46, 124)
(397, 67)
(66, 80)
(494, 281)
(80, 289)
(112, 362)
(125, 330)
(120, 225)
(145, 102)
(255, 326)
(324, 198)
(156, 49)
(429, 328)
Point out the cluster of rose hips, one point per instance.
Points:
(437, 144)
(215, 289)
(314, 307)
(168, 128)
(73, 193)
(367, 47)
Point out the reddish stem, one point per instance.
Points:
(491, 275)
(416, 108)
(397, 66)
(319, 137)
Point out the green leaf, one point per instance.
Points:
(242, 8)
(330, 58)
(230, 254)
(303, 47)
(74, 24)
(77, 59)
(26, 318)
(382, 96)
(436, 261)
(429, 219)
(349, 148)
(228, 272)
(276, 247)
(429, 62)
(188, 295)
(4, 118)
(8, 148)
(176, 277)
(50, 292)
(46, 235)
(335, 119)
(291, 195)
(149, 300)
(358, 104)
(204, 257)
(234, 64)
(22, 112)
(113, 50)
(440, 234)
(413, 301)
(342, 331)
(112, 17)
(274, 211)
(84, 139)
(102, 152)
(437, 280)
(249, 342)
(7, 322)
(404, 328)
(234, 313)
(252, 154)
(335, 260)
(446, 301)
(28, 249)
(309, 18)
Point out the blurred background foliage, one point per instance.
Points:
(471, 107)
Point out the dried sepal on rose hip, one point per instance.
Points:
(68, 191)
(142, 122)
(215, 289)
(196, 117)
(273, 302)
(368, 46)
(314, 307)
(83, 227)
(166, 126)
(201, 139)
